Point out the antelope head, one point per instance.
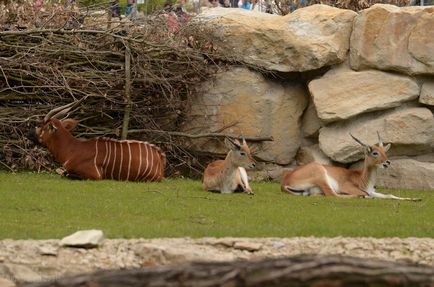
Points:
(240, 153)
(375, 155)
(42, 133)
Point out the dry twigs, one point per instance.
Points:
(53, 56)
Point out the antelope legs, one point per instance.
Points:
(375, 194)
(245, 180)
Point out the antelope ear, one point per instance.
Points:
(52, 127)
(244, 141)
(387, 147)
(69, 124)
(232, 145)
(368, 149)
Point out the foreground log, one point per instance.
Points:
(303, 270)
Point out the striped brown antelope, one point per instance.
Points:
(318, 179)
(229, 175)
(99, 158)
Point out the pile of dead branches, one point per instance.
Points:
(138, 76)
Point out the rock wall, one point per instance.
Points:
(315, 75)
(386, 37)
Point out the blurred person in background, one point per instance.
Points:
(214, 3)
(115, 8)
(131, 9)
(246, 4)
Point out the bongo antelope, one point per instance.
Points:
(316, 179)
(229, 175)
(99, 158)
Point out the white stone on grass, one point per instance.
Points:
(84, 239)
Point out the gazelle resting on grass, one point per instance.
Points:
(229, 175)
(316, 179)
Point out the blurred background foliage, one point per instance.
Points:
(147, 7)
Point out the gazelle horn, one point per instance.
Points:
(59, 111)
(232, 141)
(380, 141)
(357, 140)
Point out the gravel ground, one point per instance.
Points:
(36, 260)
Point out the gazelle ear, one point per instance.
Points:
(387, 147)
(69, 124)
(244, 141)
(368, 149)
(232, 145)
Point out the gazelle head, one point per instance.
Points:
(42, 133)
(240, 153)
(375, 155)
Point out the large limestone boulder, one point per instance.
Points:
(242, 102)
(310, 123)
(427, 93)
(344, 93)
(312, 153)
(6, 283)
(410, 130)
(407, 173)
(390, 38)
(307, 39)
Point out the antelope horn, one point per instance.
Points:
(380, 141)
(357, 140)
(235, 143)
(59, 111)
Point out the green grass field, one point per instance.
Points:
(42, 206)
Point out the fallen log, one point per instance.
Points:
(302, 270)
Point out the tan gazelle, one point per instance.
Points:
(229, 175)
(316, 179)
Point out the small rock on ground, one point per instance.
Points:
(83, 238)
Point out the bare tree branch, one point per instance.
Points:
(203, 135)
